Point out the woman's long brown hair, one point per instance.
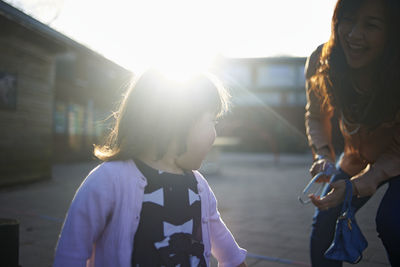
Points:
(332, 81)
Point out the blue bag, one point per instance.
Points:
(348, 243)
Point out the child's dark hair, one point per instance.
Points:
(157, 110)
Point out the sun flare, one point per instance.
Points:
(185, 34)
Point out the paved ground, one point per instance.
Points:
(257, 199)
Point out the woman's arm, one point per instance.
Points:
(367, 181)
(317, 120)
(386, 167)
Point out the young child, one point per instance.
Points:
(145, 206)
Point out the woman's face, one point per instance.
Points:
(362, 34)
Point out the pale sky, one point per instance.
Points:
(139, 33)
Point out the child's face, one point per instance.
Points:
(199, 141)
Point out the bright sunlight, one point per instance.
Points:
(186, 35)
(180, 37)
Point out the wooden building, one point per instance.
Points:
(52, 91)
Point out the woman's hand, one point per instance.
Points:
(318, 166)
(364, 184)
(333, 198)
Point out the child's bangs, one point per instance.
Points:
(212, 95)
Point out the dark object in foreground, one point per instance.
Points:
(9, 242)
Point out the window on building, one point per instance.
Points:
(272, 99)
(296, 98)
(60, 118)
(238, 76)
(301, 79)
(276, 75)
(302, 98)
(291, 99)
(260, 99)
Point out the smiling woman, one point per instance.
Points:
(359, 48)
(355, 76)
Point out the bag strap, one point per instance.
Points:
(348, 197)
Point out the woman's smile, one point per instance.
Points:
(355, 50)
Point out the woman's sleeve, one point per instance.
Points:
(317, 122)
(388, 164)
(86, 219)
(223, 244)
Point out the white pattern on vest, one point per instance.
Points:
(193, 197)
(156, 197)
